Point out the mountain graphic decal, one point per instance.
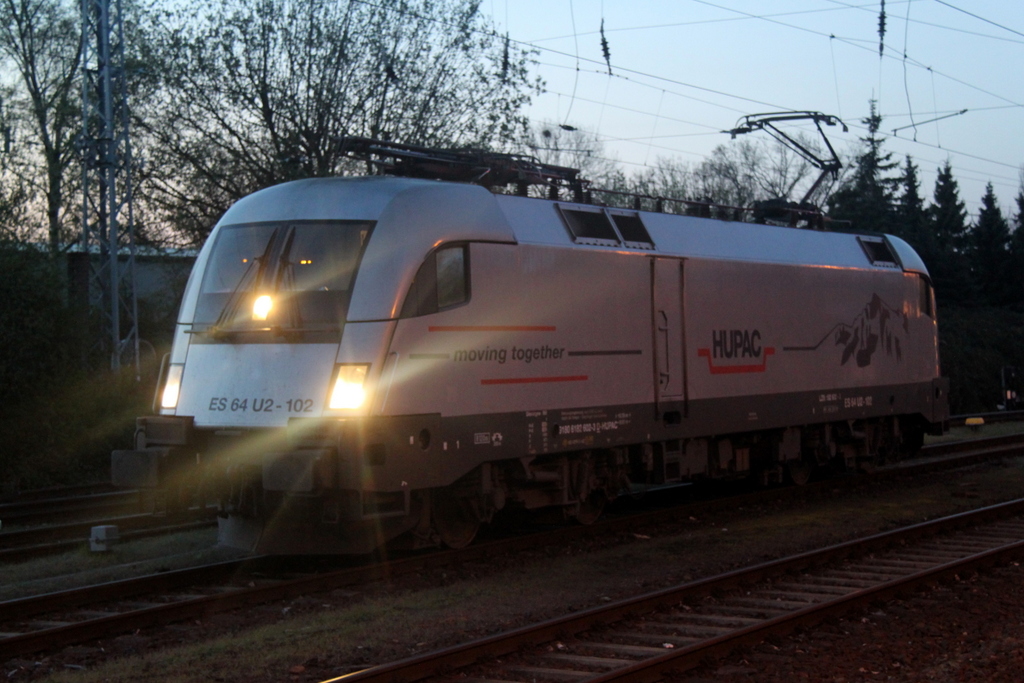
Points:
(878, 325)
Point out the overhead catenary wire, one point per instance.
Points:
(641, 78)
(698, 22)
(576, 79)
(987, 160)
(835, 76)
(863, 128)
(962, 172)
(665, 79)
(648, 113)
(936, 105)
(622, 77)
(906, 87)
(654, 126)
(576, 56)
(937, 118)
(932, 24)
(865, 7)
(980, 18)
(853, 42)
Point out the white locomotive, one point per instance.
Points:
(358, 359)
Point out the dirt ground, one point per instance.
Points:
(320, 636)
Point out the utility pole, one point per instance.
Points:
(108, 230)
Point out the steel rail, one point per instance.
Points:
(174, 609)
(478, 652)
(692, 656)
(17, 546)
(23, 536)
(57, 492)
(27, 511)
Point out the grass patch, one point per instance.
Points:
(128, 559)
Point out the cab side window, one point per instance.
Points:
(441, 282)
(927, 297)
(451, 277)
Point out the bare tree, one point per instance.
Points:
(564, 145)
(41, 40)
(746, 171)
(736, 174)
(13, 190)
(255, 92)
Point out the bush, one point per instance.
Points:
(59, 419)
(974, 345)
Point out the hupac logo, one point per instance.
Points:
(736, 351)
(735, 344)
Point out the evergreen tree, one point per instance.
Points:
(911, 217)
(951, 268)
(989, 241)
(948, 212)
(1015, 267)
(867, 197)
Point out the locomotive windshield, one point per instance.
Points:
(294, 275)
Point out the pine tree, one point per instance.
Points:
(948, 212)
(1015, 268)
(867, 198)
(989, 241)
(951, 268)
(911, 217)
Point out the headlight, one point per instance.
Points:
(172, 387)
(261, 307)
(348, 392)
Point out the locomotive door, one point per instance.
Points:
(667, 328)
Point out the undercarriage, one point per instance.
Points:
(274, 497)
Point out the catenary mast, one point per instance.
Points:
(108, 238)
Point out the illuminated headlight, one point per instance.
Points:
(348, 392)
(261, 307)
(172, 387)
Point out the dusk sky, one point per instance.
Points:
(684, 70)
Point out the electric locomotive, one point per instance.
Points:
(358, 360)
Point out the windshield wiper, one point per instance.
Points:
(252, 273)
(286, 279)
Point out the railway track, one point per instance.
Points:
(34, 510)
(22, 544)
(675, 629)
(58, 619)
(39, 522)
(58, 492)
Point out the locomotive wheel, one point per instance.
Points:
(800, 471)
(455, 519)
(591, 509)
